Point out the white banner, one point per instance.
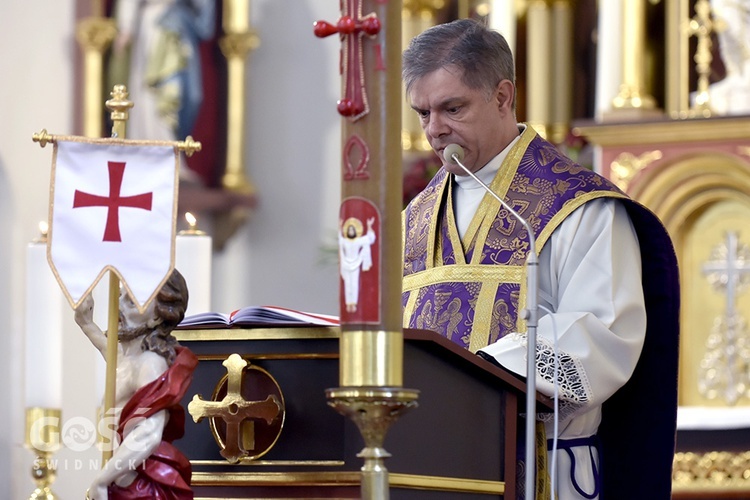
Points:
(112, 207)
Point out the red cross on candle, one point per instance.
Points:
(354, 103)
(114, 201)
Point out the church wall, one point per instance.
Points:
(10, 340)
(35, 92)
(293, 158)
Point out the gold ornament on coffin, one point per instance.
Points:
(244, 429)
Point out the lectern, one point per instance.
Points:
(264, 428)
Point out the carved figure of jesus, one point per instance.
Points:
(153, 374)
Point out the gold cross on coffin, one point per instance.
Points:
(234, 409)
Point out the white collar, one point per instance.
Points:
(487, 172)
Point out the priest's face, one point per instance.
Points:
(452, 113)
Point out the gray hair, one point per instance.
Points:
(482, 54)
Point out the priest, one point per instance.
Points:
(608, 293)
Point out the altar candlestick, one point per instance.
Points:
(44, 309)
(193, 261)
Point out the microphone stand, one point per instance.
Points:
(531, 314)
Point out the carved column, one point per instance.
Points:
(94, 35)
(562, 64)
(238, 40)
(633, 97)
(538, 66)
(677, 46)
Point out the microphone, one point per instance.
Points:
(454, 154)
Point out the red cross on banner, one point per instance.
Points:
(114, 201)
(113, 207)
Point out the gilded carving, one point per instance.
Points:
(702, 26)
(723, 369)
(625, 167)
(716, 469)
(416, 7)
(96, 33)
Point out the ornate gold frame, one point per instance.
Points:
(681, 183)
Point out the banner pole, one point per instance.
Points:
(111, 375)
(119, 106)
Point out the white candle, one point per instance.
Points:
(193, 256)
(608, 56)
(44, 320)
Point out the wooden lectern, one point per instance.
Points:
(267, 431)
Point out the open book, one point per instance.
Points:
(257, 316)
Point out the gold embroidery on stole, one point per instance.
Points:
(479, 230)
(458, 249)
(490, 277)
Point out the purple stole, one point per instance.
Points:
(470, 291)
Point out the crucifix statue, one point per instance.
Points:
(725, 365)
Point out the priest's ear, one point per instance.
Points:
(505, 95)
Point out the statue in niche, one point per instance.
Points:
(156, 53)
(153, 374)
(167, 54)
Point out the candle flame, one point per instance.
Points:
(43, 233)
(191, 220)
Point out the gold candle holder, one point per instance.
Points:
(42, 437)
(238, 41)
(374, 410)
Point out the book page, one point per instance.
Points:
(257, 316)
